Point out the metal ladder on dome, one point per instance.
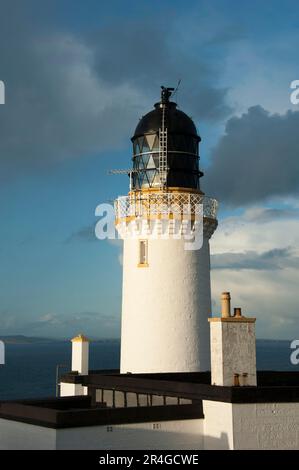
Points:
(163, 166)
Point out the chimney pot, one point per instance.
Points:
(225, 304)
(237, 312)
(236, 380)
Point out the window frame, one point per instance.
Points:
(142, 257)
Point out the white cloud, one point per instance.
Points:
(48, 319)
(270, 295)
(248, 231)
(61, 325)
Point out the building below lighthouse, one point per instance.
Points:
(187, 378)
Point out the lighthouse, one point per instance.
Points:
(166, 294)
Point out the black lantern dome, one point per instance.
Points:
(176, 149)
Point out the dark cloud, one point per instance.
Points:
(268, 260)
(265, 215)
(70, 94)
(229, 34)
(147, 55)
(257, 158)
(84, 234)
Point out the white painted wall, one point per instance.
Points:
(266, 426)
(225, 426)
(262, 426)
(18, 436)
(80, 356)
(185, 434)
(71, 390)
(165, 308)
(218, 425)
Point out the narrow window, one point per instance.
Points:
(143, 261)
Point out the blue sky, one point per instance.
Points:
(78, 77)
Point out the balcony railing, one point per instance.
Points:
(141, 204)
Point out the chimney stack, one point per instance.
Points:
(80, 354)
(233, 351)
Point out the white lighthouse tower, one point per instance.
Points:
(166, 298)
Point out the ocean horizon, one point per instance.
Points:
(30, 368)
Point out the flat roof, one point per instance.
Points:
(64, 412)
(67, 412)
(273, 386)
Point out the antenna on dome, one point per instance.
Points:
(166, 93)
(176, 89)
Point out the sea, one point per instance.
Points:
(30, 369)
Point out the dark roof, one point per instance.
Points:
(69, 412)
(273, 387)
(177, 122)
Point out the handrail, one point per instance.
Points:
(145, 204)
